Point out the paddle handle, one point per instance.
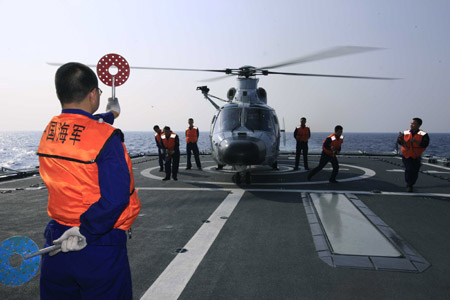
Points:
(42, 251)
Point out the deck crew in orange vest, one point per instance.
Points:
(92, 200)
(171, 143)
(192, 135)
(330, 148)
(413, 143)
(302, 134)
(161, 149)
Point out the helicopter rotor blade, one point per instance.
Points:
(329, 53)
(216, 78)
(335, 76)
(179, 69)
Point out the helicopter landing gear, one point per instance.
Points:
(240, 176)
(237, 178)
(248, 178)
(275, 166)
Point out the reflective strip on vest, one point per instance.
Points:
(334, 143)
(412, 150)
(169, 143)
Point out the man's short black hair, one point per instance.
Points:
(74, 81)
(418, 120)
(155, 127)
(166, 128)
(337, 128)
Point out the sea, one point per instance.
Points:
(18, 148)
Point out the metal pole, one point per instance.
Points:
(113, 86)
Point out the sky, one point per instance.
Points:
(413, 35)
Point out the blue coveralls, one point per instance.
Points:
(101, 270)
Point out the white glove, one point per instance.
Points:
(113, 104)
(71, 240)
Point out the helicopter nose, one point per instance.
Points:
(243, 152)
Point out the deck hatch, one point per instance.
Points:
(346, 233)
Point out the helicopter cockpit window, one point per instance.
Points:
(229, 119)
(259, 119)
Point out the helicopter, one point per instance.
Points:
(246, 131)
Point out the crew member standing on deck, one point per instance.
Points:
(161, 149)
(414, 142)
(302, 134)
(330, 148)
(92, 200)
(192, 134)
(171, 143)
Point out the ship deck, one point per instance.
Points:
(205, 237)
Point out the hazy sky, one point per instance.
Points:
(228, 34)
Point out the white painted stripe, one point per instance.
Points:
(437, 166)
(298, 191)
(367, 174)
(171, 283)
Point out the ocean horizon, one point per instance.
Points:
(18, 148)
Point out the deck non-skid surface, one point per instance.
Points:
(206, 238)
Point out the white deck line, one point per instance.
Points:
(171, 283)
(297, 191)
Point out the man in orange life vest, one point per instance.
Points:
(161, 149)
(192, 134)
(171, 144)
(92, 200)
(302, 134)
(414, 142)
(330, 147)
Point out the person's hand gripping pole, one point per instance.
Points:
(71, 240)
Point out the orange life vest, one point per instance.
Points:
(169, 143)
(302, 134)
(158, 138)
(67, 153)
(412, 149)
(336, 143)
(191, 135)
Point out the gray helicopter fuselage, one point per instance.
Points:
(245, 131)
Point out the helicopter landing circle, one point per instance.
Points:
(110, 62)
(367, 174)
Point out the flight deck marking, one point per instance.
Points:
(367, 174)
(171, 283)
(377, 193)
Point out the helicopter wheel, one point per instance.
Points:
(275, 166)
(248, 178)
(237, 178)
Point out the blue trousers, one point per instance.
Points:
(192, 147)
(161, 157)
(298, 150)
(95, 272)
(172, 164)
(412, 167)
(324, 159)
